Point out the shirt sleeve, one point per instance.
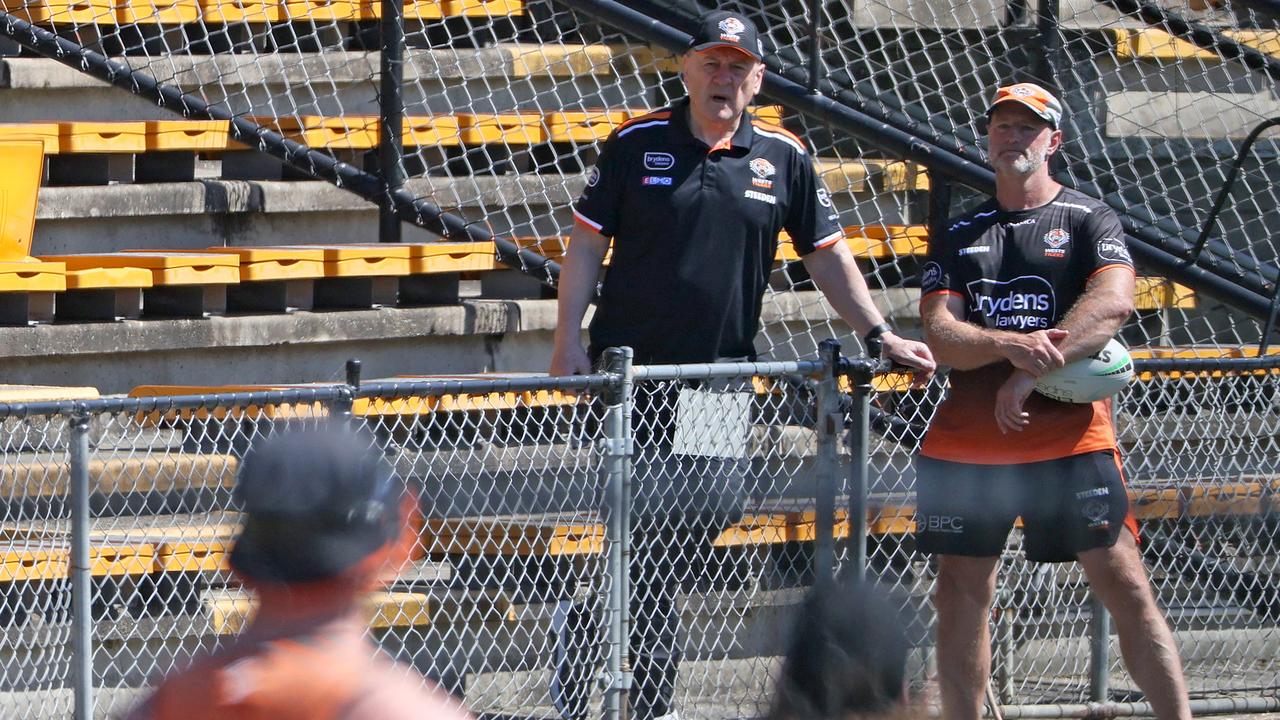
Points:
(597, 206)
(812, 220)
(940, 271)
(1106, 243)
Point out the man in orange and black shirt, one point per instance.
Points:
(1036, 277)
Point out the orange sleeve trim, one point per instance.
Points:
(1112, 266)
(946, 291)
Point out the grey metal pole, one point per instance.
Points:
(391, 109)
(1099, 652)
(829, 422)
(80, 570)
(861, 372)
(617, 447)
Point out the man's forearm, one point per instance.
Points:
(842, 284)
(1092, 321)
(578, 275)
(963, 345)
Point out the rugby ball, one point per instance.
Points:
(1096, 377)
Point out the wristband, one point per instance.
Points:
(875, 332)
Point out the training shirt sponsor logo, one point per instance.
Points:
(762, 197)
(949, 524)
(1025, 303)
(824, 197)
(655, 180)
(594, 177)
(1114, 249)
(1020, 223)
(975, 250)
(659, 161)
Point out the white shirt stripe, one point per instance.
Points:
(587, 221)
(783, 137)
(637, 126)
(830, 239)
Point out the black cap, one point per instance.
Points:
(728, 29)
(316, 503)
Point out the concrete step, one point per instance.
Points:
(210, 213)
(502, 78)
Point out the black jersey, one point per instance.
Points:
(1020, 271)
(695, 231)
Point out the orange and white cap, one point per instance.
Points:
(1037, 99)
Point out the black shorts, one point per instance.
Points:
(1067, 505)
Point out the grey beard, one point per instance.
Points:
(1025, 165)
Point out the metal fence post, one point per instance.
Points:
(80, 571)
(391, 126)
(1099, 651)
(618, 444)
(828, 422)
(860, 372)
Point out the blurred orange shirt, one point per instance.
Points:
(330, 671)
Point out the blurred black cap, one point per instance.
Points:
(728, 29)
(316, 502)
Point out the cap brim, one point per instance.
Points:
(300, 557)
(1043, 115)
(710, 45)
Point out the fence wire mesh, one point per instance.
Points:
(510, 596)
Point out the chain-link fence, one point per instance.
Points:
(730, 487)
(505, 103)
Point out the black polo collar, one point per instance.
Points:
(742, 137)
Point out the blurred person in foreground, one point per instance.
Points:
(326, 521)
(1034, 278)
(846, 659)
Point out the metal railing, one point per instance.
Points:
(596, 518)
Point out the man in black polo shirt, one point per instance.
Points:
(693, 196)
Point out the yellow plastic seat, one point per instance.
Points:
(103, 137)
(505, 128)
(320, 10)
(241, 11)
(151, 12)
(431, 131)
(23, 163)
(27, 276)
(484, 8)
(47, 133)
(70, 12)
(282, 262)
(26, 564)
(188, 135)
(450, 257)
(583, 126)
(866, 174)
(413, 9)
(167, 268)
(1156, 293)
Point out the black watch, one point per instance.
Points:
(874, 333)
